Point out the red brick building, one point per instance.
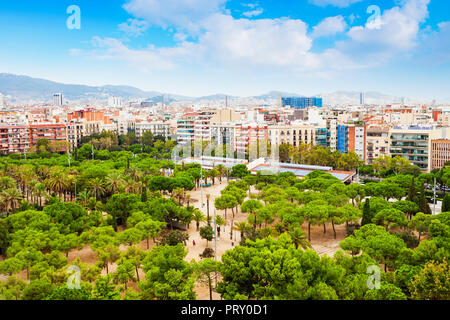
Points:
(20, 139)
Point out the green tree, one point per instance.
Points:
(239, 171)
(167, 275)
(446, 203)
(150, 229)
(130, 236)
(207, 233)
(205, 271)
(391, 216)
(251, 207)
(432, 282)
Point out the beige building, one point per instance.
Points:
(293, 134)
(440, 153)
(415, 144)
(377, 143)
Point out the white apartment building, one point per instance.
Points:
(58, 99)
(161, 128)
(202, 125)
(332, 133)
(414, 144)
(115, 102)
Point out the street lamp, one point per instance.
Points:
(215, 241)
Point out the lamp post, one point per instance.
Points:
(434, 197)
(215, 242)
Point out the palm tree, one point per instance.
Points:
(40, 191)
(10, 198)
(220, 221)
(6, 183)
(114, 182)
(178, 193)
(242, 227)
(97, 187)
(198, 217)
(187, 197)
(129, 185)
(84, 197)
(57, 182)
(222, 170)
(299, 238)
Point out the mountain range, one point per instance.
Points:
(25, 89)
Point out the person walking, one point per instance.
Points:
(193, 242)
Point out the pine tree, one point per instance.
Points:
(446, 203)
(367, 214)
(412, 191)
(144, 196)
(423, 202)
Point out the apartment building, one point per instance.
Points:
(186, 128)
(52, 132)
(296, 134)
(20, 139)
(157, 128)
(239, 135)
(415, 144)
(332, 125)
(14, 139)
(250, 134)
(440, 153)
(377, 138)
(202, 125)
(83, 123)
(357, 140)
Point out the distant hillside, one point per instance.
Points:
(26, 88)
(353, 97)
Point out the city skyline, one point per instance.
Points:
(241, 49)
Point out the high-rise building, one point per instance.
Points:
(301, 102)
(2, 101)
(58, 99)
(115, 102)
(362, 98)
(357, 140)
(342, 138)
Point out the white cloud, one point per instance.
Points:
(336, 3)
(396, 33)
(222, 41)
(270, 42)
(147, 59)
(249, 5)
(437, 43)
(329, 27)
(184, 14)
(134, 27)
(253, 13)
(76, 52)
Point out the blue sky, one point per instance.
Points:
(201, 47)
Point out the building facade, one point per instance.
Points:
(301, 102)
